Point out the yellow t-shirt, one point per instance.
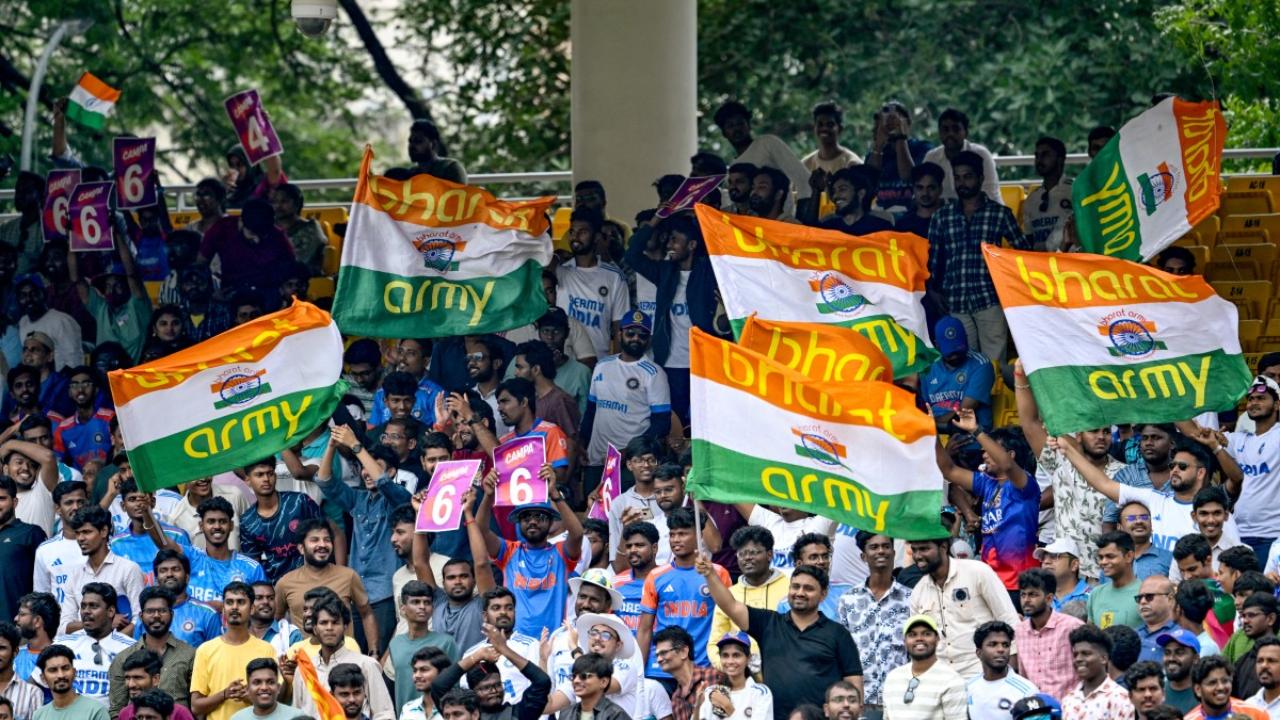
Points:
(312, 646)
(218, 663)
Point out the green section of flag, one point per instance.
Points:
(906, 352)
(85, 117)
(1106, 207)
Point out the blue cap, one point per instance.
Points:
(544, 507)
(735, 637)
(1036, 706)
(950, 336)
(1180, 635)
(638, 319)
(33, 278)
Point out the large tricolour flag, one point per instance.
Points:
(1152, 182)
(232, 399)
(860, 453)
(1106, 341)
(425, 257)
(793, 273)
(91, 101)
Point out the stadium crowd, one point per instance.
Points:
(1124, 572)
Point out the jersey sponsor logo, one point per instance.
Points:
(532, 584)
(1249, 469)
(633, 383)
(614, 405)
(686, 608)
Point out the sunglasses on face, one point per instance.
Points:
(1136, 518)
(1147, 597)
(1183, 465)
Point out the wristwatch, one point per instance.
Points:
(355, 449)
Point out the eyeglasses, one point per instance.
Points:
(1136, 518)
(1182, 465)
(1148, 597)
(477, 356)
(664, 653)
(606, 635)
(583, 675)
(910, 695)
(751, 552)
(648, 460)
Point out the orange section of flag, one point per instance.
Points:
(97, 88)
(326, 704)
(829, 353)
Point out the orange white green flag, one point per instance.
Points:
(860, 453)
(1106, 341)
(425, 257)
(829, 353)
(232, 399)
(1152, 182)
(781, 271)
(91, 101)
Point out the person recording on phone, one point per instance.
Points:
(641, 457)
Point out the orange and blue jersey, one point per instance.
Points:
(78, 443)
(1010, 518)
(539, 578)
(679, 596)
(632, 591)
(553, 439)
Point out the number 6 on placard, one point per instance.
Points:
(89, 227)
(521, 493)
(133, 187)
(442, 508)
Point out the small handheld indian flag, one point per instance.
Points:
(91, 101)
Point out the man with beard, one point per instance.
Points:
(173, 656)
(93, 528)
(873, 614)
(1077, 506)
(844, 702)
(641, 456)
(403, 519)
(56, 326)
(953, 132)
(640, 548)
(1212, 678)
(603, 634)
(592, 292)
(536, 570)
(57, 667)
(629, 397)
(1043, 634)
(263, 624)
(305, 234)
(85, 435)
(760, 585)
(486, 362)
(1156, 444)
(34, 470)
(1148, 559)
(217, 564)
(734, 120)
(573, 374)
(457, 605)
(348, 685)
(926, 179)
(739, 184)
(534, 361)
(59, 554)
(38, 619)
(18, 544)
(193, 622)
(195, 293)
(1182, 651)
(490, 670)
(416, 608)
(218, 688)
(315, 544)
(268, 527)
(992, 694)
(962, 595)
(95, 644)
(331, 620)
(924, 687)
(592, 594)
(1267, 668)
(770, 194)
(1047, 209)
(801, 652)
(504, 649)
(957, 233)
(23, 383)
(1097, 695)
(1258, 619)
(24, 697)
(426, 150)
(852, 190)
(1251, 463)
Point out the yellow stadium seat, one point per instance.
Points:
(1209, 225)
(320, 287)
(153, 290)
(1013, 196)
(1269, 341)
(332, 260)
(182, 218)
(1255, 228)
(1201, 254)
(1252, 296)
(1250, 331)
(1259, 257)
(1269, 184)
(1249, 202)
(331, 215)
(560, 227)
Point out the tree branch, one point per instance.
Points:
(382, 63)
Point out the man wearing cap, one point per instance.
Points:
(1251, 463)
(629, 397)
(1062, 558)
(605, 635)
(960, 595)
(1181, 651)
(533, 568)
(118, 301)
(572, 375)
(961, 378)
(803, 651)
(592, 593)
(924, 688)
(1041, 706)
(60, 329)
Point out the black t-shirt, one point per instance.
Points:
(799, 666)
(865, 225)
(18, 543)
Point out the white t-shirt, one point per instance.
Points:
(847, 565)
(646, 295)
(92, 677)
(166, 505)
(990, 180)
(753, 702)
(1045, 227)
(627, 671)
(286, 482)
(652, 701)
(632, 499)
(1257, 511)
(625, 394)
(785, 533)
(1170, 519)
(678, 357)
(55, 559)
(596, 296)
(35, 506)
(514, 683)
(993, 699)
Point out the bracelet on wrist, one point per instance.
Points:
(1023, 386)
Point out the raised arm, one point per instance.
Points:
(1216, 443)
(136, 288)
(1093, 475)
(724, 599)
(482, 566)
(1028, 412)
(967, 421)
(39, 453)
(573, 545)
(82, 286)
(955, 475)
(492, 543)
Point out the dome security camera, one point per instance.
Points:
(314, 17)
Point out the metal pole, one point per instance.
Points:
(33, 92)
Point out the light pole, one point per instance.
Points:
(72, 27)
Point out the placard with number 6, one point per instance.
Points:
(253, 127)
(441, 509)
(57, 201)
(518, 462)
(134, 169)
(90, 217)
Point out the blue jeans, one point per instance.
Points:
(1261, 548)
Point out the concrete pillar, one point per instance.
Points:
(634, 95)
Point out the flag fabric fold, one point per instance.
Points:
(860, 453)
(326, 704)
(1152, 182)
(829, 353)
(235, 398)
(1106, 341)
(780, 271)
(426, 257)
(91, 102)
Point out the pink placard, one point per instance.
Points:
(518, 462)
(441, 510)
(253, 126)
(689, 193)
(134, 168)
(90, 217)
(610, 484)
(57, 202)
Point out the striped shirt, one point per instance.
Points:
(938, 694)
(26, 698)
